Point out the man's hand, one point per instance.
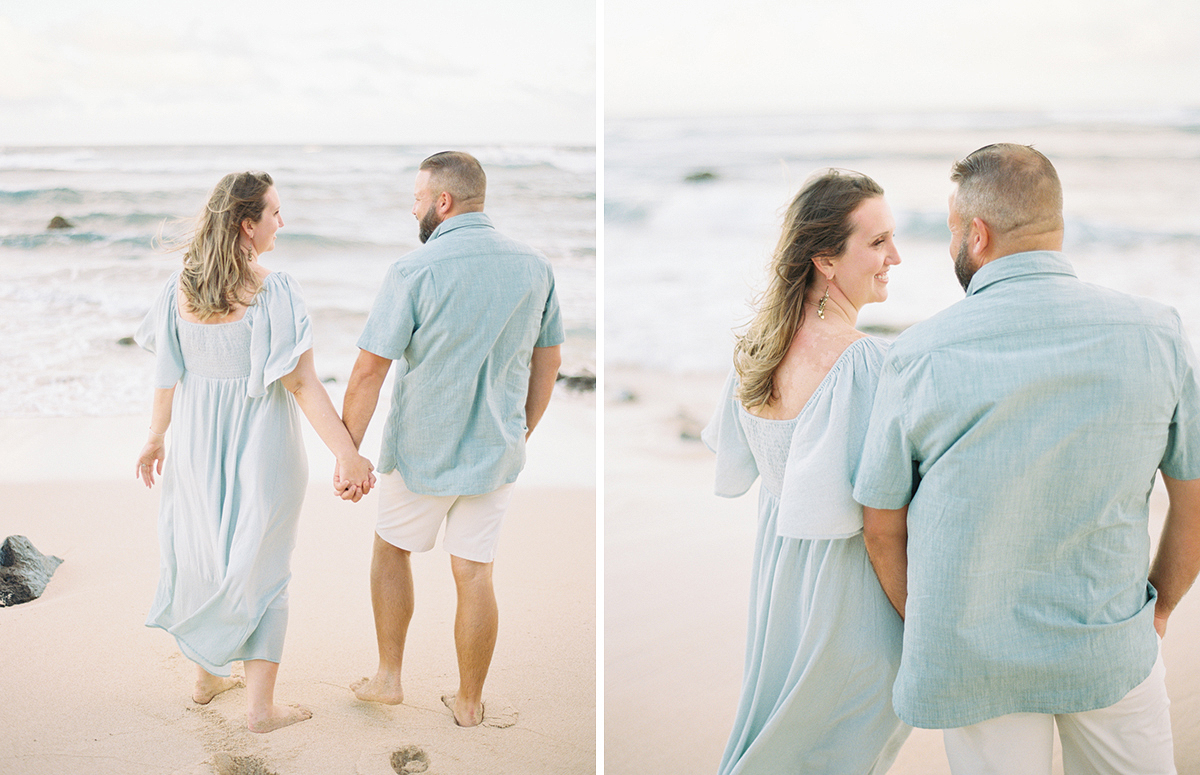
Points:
(1177, 561)
(347, 489)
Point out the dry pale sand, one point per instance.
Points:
(676, 589)
(85, 687)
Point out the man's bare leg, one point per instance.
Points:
(392, 601)
(475, 625)
(262, 714)
(209, 685)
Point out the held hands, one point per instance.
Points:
(151, 460)
(353, 478)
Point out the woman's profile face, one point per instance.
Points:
(861, 272)
(261, 233)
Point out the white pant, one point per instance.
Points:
(1132, 737)
(411, 521)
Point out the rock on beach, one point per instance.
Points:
(24, 571)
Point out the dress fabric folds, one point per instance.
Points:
(823, 641)
(234, 476)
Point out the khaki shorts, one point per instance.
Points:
(410, 521)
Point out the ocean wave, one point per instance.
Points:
(146, 241)
(131, 219)
(311, 240)
(213, 161)
(50, 238)
(62, 195)
(579, 160)
(1079, 232)
(43, 159)
(624, 212)
(68, 296)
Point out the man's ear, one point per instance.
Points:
(980, 238)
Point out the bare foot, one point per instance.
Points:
(211, 685)
(463, 716)
(383, 688)
(278, 717)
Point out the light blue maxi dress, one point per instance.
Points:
(234, 476)
(823, 642)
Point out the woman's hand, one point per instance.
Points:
(151, 460)
(353, 477)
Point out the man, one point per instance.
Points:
(1009, 461)
(474, 318)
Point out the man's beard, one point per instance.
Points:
(428, 223)
(962, 265)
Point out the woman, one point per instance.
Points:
(234, 360)
(824, 642)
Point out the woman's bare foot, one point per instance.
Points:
(464, 715)
(277, 717)
(209, 686)
(384, 688)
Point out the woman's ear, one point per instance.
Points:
(824, 264)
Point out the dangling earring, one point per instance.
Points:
(821, 305)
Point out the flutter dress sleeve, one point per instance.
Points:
(816, 500)
(280, 332)
(736, 469)
(159, 334)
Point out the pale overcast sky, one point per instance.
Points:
(795, 56)
(138, 71)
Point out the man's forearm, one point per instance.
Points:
(362, 393)
(885, 532)
(543, 373)
(1177, 561)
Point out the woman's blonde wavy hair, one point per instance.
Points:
(817, 224)
(217, 278)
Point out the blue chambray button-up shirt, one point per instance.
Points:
(461, 316)
(1036, 411)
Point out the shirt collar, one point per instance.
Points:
(461, 221)
(1018, 265)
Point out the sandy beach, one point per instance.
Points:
(85, 687)
(677, 575)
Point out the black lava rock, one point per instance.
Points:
(24, 571)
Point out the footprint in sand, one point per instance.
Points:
(226, 764)
(498, 712)
(410, 759)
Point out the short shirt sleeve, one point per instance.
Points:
(1182, 457)
(159, 333)
(551, 332)
(281, 332)
(724, 435)
(393, 317)
(885, 475)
